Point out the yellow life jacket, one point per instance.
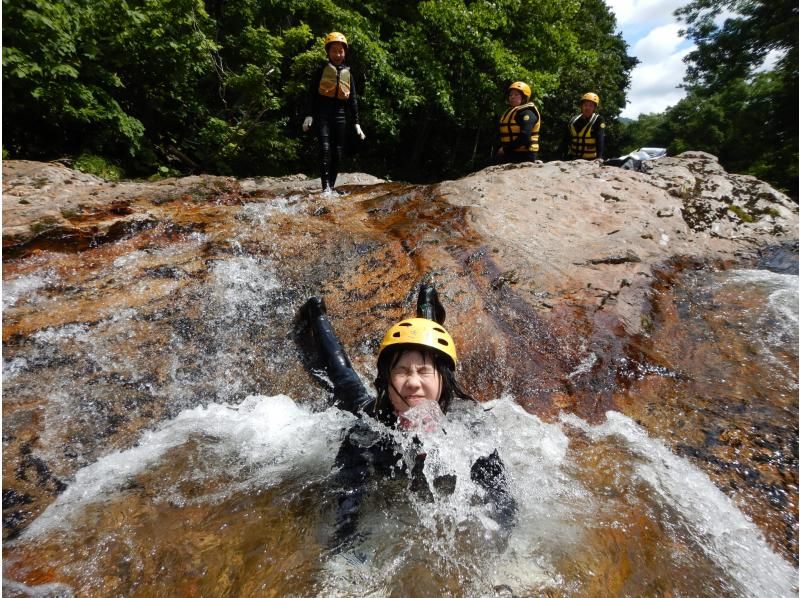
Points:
(509, 127)
(335, 83)
(582, 143)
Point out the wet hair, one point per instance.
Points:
(444, 366)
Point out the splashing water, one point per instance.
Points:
(712, 519)
(237, 497)
(276, 458)
(775, 326)
(26, 287)
(270, 432)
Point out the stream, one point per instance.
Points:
(689, 488)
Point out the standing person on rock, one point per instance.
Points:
(519, 126)
(332, 95)
(415, 385)
(585, 135)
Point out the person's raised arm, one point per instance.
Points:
(348, 391)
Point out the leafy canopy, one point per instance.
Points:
(222, 85)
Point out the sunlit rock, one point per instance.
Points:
(127, 304)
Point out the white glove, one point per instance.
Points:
(360, 133)
(307, 124)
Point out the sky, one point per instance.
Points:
(651, 30)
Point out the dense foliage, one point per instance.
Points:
(735, 108)
(221, 86)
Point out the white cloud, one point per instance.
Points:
(659, 44)
(651, 29)
(630, 13)
(654, 84)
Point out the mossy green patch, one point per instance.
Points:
(98, 166)
(743, 215)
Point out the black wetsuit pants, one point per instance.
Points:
(332, 134)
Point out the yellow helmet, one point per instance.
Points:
(335, 36)
(419, 331)
(592, 97)
(522, 87)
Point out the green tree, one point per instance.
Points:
(648, 130)
(739, 46)
(57, 94)
(105, 76)
(599, 62)
(222, 86)
(756, 110)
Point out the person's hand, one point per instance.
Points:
(598, 160)
(500, 151)
(307, 124)
(360, 133)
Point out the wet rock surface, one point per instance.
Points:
(125, 303)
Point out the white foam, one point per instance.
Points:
(26, 286)
(273, 433)
(51, 336)
(725, 534)
(130, 258)
(782, 290)
(773, 325)
(585, 366)
(533, 454)
(45, 590)
(267, 440)
(260, 213)
(12, 367)
(188, 242)
(241, 283)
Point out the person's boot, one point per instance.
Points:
(325, 178)
(428, 305)
(313, 308)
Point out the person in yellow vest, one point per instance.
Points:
(332, 95)
(585, 137)
(519, 126)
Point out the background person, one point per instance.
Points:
(585, 136)
(332, 95)
(519, 126)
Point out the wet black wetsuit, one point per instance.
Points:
(330, 123)
(365, 452)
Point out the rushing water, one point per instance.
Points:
(236, 498)
(231, 500)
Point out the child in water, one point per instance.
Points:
(415, 385)
(332, 94)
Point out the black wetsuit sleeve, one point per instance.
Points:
(490, 474)
(600, 136)
(352, 101)
(349, 392)
(525, 129)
